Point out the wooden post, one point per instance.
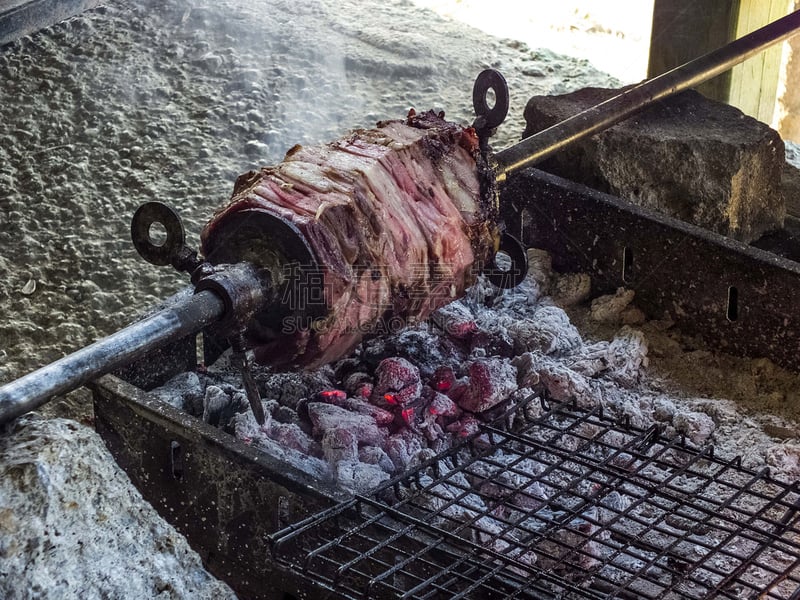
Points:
(685, 29)
(754, 83)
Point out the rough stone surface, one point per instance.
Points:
(689, 157)
(790, 179)
(73, 526)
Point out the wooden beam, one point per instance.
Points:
(754, 83)
(685, 29)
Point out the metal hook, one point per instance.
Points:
(147, 215)
(507, 278)
(489, 117)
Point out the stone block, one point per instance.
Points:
(688, 157)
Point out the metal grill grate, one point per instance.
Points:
(566, 503)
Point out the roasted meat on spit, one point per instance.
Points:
(394, 217)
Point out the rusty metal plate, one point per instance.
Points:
(735, 298)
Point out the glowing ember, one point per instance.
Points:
(443, 379)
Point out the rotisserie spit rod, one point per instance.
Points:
(117, 350)
(598, 118)
(224, 298)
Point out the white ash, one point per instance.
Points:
(327, 417)
(557, 362)
(70, 521)
(572, 289)
(359, 477)
(247, 429)
(696, 426)
(609, 308)
(380, 419)
(547, 330)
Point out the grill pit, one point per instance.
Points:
(575, 489)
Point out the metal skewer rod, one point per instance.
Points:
(545, 143)
(105, 355)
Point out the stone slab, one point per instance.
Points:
(688, 157)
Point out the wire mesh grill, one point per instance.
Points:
(566, 503)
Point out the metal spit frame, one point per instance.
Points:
(734, 297)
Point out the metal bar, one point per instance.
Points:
(606, 114)
(68, 373)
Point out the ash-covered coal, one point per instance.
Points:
(401, 398)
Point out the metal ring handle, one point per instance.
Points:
(145, 217)
(515, 274)
(490, 79)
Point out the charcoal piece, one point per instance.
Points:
(421, 345)
(284, 414)
(185, 391)
(527, 365)
(458, 389)
(442, 406)
(491, 381)
(696, 426)
(382, 417)
(442, 379)
(290, 388)
(376, 456)
(327, 416)
(403, 447)
(564, 384)
(455, 320)
(397, 382)
(663, 409)
(354, 383)
(548, 330)
(292, 436)
(627, 356)
(247, 429)
(590, 360)
(339, 444)
(215, 403)
(465, 426)
(358, 477)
